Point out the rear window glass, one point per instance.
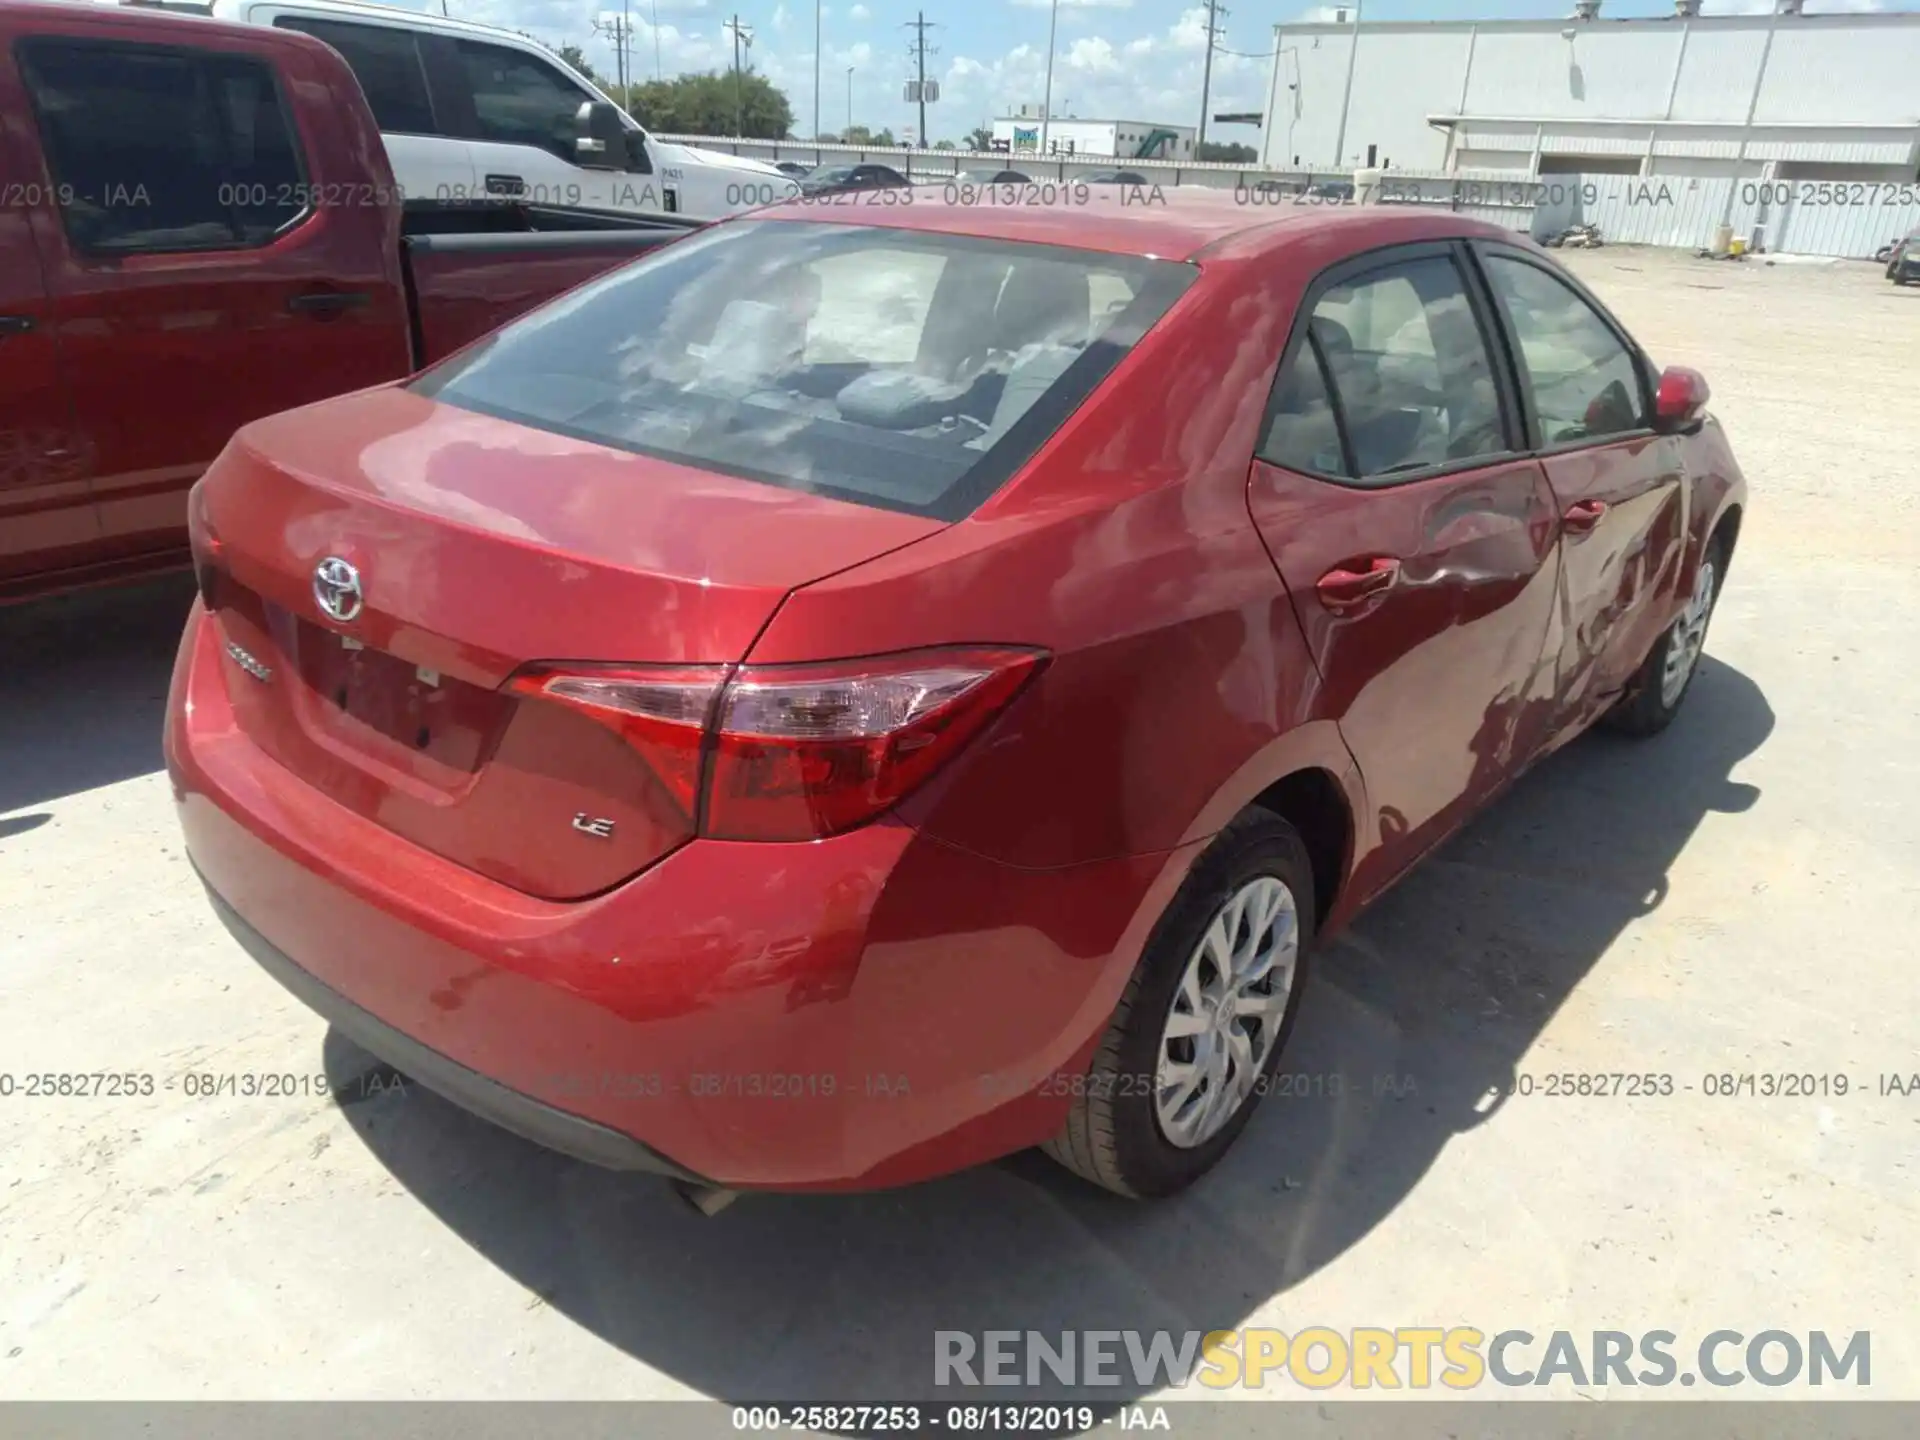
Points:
(910, 371)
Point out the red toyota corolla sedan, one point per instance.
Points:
(863, 690)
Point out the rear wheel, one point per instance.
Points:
(1667, 673)
(1203, 1020)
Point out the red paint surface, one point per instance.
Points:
(933, 966)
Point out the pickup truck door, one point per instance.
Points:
(47, 516)
(203, 268)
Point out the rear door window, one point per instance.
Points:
(386, 62)
(1397, 367)
(160, 149)
(897, 368)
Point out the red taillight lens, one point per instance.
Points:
(798, 751)
(810, 750)
(661, 711)
(208, 551)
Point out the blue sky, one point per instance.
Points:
(1114, 59)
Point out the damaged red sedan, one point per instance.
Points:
(862, 691)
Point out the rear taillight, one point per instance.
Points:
(805, 750)
(208, 552)
(660, 711)
(794, 752)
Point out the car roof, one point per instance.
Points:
(1167, 223)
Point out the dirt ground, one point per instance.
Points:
(1735, 897)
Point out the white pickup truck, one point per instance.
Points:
(476, 113)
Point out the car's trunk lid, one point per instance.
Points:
(480, 546)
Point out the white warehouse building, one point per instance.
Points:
(1121, 139)
(1745, 120)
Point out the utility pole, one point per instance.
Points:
(1346, 95)
(917, 89)
(1216, 12)
(1046, 102)
(816, 71)
(742, 36)
(848, 137)
(619, 32)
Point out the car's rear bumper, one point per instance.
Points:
(510, 1109)
(866, 1010)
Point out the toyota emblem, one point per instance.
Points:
(336, 589)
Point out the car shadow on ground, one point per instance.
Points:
(83, 691)
(1422, 1012)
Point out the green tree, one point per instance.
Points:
(573, 56)
(980, 138)
(716, 103)
(944, 145)
(1225, 154)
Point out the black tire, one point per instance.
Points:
(1644, 710)
(1113, 1135)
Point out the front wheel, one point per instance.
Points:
(1667, 673)
(1194, 1040)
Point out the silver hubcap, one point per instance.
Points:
(1226, 1013)
(1688, 637)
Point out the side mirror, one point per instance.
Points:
(600, 139)
(1680, 399)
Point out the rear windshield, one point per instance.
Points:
(911, 371)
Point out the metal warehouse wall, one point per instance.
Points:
(1797, 217)
(1823, 69)
(1400, 77)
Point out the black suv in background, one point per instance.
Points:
(835, 179)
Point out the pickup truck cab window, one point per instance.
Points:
(520, 100)
(157, 149)
(386, 61)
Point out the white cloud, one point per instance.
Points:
(1093, 56)
(859, 12)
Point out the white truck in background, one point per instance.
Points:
(474, 113)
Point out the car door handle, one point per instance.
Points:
(15, 325)
(1582, 516)
(1343, 590)
(506, 185)
(328, 302)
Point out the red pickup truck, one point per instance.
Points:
(198, 227)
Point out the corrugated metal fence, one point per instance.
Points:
(1804, 217)
(1848, 220)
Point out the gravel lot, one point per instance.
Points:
(1735, 896)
